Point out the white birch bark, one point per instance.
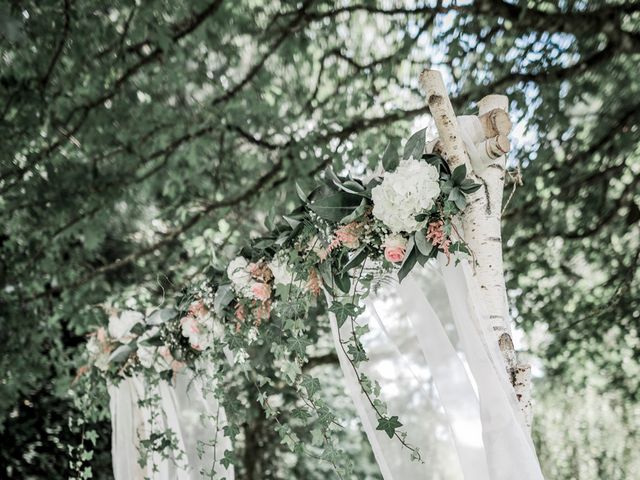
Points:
(482, 217)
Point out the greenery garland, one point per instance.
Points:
(344, 237)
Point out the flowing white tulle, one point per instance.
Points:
(188, 409)
(441, 373)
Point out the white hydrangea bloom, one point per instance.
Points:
(120, 325)
(238, 272)
(412, 188)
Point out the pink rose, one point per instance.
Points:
(197, 309)
(395, 248)
(261, 291)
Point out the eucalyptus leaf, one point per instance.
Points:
(223, 297)
(158, 317)
(422, 243)
(415, 145)
(120, 354)
(390, 157)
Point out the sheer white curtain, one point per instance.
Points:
(441, 372)
(188, 409)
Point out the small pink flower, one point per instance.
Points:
(240, 315)
(347, 235)
(101, 335)
(395, 248)
(177, 366)
(438, 238)
(261, 291)
(165, 353)
(198, 309)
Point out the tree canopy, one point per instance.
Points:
(144, 141)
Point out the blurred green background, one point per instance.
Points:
(143, 140)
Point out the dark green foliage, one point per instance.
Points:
(141, 139)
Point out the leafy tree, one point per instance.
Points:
(143, 141)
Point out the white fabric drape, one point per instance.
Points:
(188, 409)
(440, 371)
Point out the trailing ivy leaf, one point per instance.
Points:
(343, 311)
(158, 317)
(423, 245)
(390, 158)
(311, 385)
(299, 345)
(357, 353)
(459, 174)
(415, 145)
(389, 425)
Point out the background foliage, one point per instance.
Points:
(142, 141)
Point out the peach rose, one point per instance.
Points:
(261, 291)
(395, 248)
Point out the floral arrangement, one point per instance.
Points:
(343, 237)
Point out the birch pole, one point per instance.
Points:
(481, 219)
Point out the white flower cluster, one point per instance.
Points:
(282, 274)
(120, 326)
(404, 193)
(239, 272)
(198, 326)
(240, 276)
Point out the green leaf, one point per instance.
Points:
(390, 158)
(158, 317)
(357, 213)
(299, 345)
(423, 245)
(409, 262)
(301, 194)
(459, 174)
(457, 197)
(357, 258)
(389, 425)
(415, 145)
(223, 297)
(343, 311)
(311, 385)
(342, 281)
(293, 222)
(120, 354)
(336, 206)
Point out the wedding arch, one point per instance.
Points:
(407, 265)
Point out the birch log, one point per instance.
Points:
(481, 219)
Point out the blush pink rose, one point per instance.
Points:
(261, 291)
(395, 248)
(198, 309)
